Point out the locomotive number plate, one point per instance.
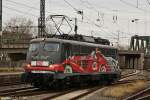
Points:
(39, 63)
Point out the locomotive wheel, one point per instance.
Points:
(102, 68)
(68, 69)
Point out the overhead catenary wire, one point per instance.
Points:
(18, 3)
(87, 22)
(108, 9)
(121, 30)
(92, 23)
(19, 11)
(85, 1)
(115, 35)
(101, 33)
(74, 9)
(91, 6)
(95, 10)
(102, 29)
(71, 5)
(27, 6)
(131, 5)
(32, 8)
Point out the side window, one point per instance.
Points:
(84, 50)
(106, 52)
(75, 50)
(67, 50)
(90, 49)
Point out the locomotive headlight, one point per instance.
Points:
(28, 65)
(50, 66)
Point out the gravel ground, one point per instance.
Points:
(99, 95)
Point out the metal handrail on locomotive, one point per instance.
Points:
(54, 61)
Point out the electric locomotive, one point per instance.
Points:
(67, 59)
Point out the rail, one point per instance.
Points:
(144, 92)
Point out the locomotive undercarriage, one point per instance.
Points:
(62, 80)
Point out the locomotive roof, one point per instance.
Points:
(71, 42)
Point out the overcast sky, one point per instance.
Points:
(101, 24)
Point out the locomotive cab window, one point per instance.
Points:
(34, 46)
(51, 46)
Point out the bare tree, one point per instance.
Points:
(18, 25)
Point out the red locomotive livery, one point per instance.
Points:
(86, 64)
(53, 62)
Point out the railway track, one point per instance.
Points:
(59, 94)
(80, 92)
(144, 98)
(11, 92)
(31, 91)
(72, 94)
(11, 83)
(86, 93)
(141, 95)
(130, 74)
(8, 80)
(126, 74)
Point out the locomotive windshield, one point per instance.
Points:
(44, 51)
(51, 46)
(34, 46)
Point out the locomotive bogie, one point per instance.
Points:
(57, 80)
